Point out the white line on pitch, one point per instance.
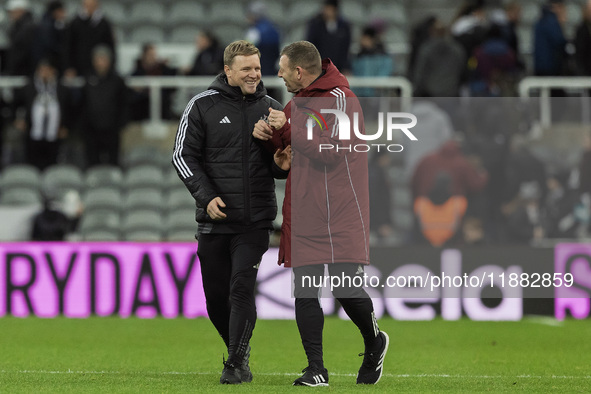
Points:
(69, 371)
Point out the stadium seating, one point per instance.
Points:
(116, 12)
(394, 12)
(22, 176)
(20, 196)
(227, 11)
(145, 155)
(187, 11)
(142, 225)
(143, 33)
(103, 175)
(104, 198)
(59, 178)
(100, 221)
(355, 11)
(179, 198)
(302, 11)
(143, 176)
(146, 11)
(186, 33)
(180, 225)
(101, 236)
(144, 198)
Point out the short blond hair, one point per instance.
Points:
(239, 48)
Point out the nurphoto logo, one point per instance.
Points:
(342, 129)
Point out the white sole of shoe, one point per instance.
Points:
(312, 385)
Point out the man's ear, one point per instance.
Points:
(226, 69)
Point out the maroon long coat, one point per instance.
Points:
(327, 195)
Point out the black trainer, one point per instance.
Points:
(312, 377)
(245, 374)
(231, 374)
(373, 363)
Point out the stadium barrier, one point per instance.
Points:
(546, 84)
(156, 84)
(147, 280)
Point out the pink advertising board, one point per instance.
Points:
(573, 259)
(82, 279)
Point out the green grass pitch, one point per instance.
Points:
(109, 355)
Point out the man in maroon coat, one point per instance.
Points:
(330, 202)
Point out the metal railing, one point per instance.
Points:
(156, 84)
(546, 84)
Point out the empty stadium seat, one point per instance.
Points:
(59, 178)
(181, 235)
(147, 33)
(21, 175)
(354, 11)
(302, 11)
(104, 198)
(183, 34)
(146, 11)
(103, 175)
(229, 32)
(296, 33)
(144, 198)
(172, 180)
(144, 154)
(21, 196)
(115, 11)
(393, 12)
(227, 11)
(143, 236)
(95, 221)
(179, 198)
(276, 12)
(141, 221)
(186, 12)
(149, 176)
(180, 225)
(101, 235)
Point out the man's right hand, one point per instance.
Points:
(262, 131)
(213, 209)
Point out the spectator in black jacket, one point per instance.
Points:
(149, 64)
(230, 177)
(104, 109)
(331, 34)
(87, 30)
(50, 35)
(19, 56)
(47, 109)
(583, 42)
(210, 56)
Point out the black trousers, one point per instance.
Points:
(42, 154)
(309, 315)
(229, 267)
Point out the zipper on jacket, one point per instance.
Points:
(245, 161)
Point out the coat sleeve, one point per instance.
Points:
(188, 156)
(281, 138)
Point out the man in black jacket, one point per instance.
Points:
(90, 28)
(231, 178)
(104, 109)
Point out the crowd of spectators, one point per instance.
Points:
(475, 196)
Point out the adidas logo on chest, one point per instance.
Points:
(225, 120)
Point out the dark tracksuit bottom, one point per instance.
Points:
(229, 266)
(309, 315)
